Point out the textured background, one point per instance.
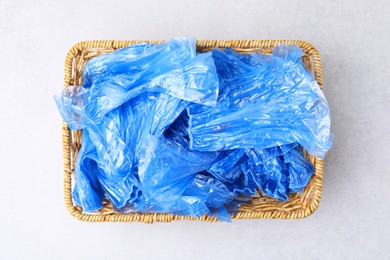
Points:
(353, 218)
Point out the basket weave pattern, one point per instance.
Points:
(298, 205)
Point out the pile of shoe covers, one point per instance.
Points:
(170, 130)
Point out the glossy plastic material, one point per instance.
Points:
(278, 171)
(112, 79)
(168, 130)
(264, 101)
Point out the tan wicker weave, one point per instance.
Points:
(298, 206)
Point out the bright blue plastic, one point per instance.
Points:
(87, 192)
(113, 79)
(278, 171)
(171, 178)
(264, 101)
(168, 130)
(228, 168)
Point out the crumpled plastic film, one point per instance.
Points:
(264, 101)
(228, 168)
(171, 178)
(278, 171)
(112, 79)
(166, 129)
(87, 192)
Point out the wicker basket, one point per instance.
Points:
(298, 205)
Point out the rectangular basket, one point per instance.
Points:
(298, 205)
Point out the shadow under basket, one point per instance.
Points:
(298, 206)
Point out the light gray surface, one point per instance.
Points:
(353, 218)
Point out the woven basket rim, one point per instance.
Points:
(245, 45)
